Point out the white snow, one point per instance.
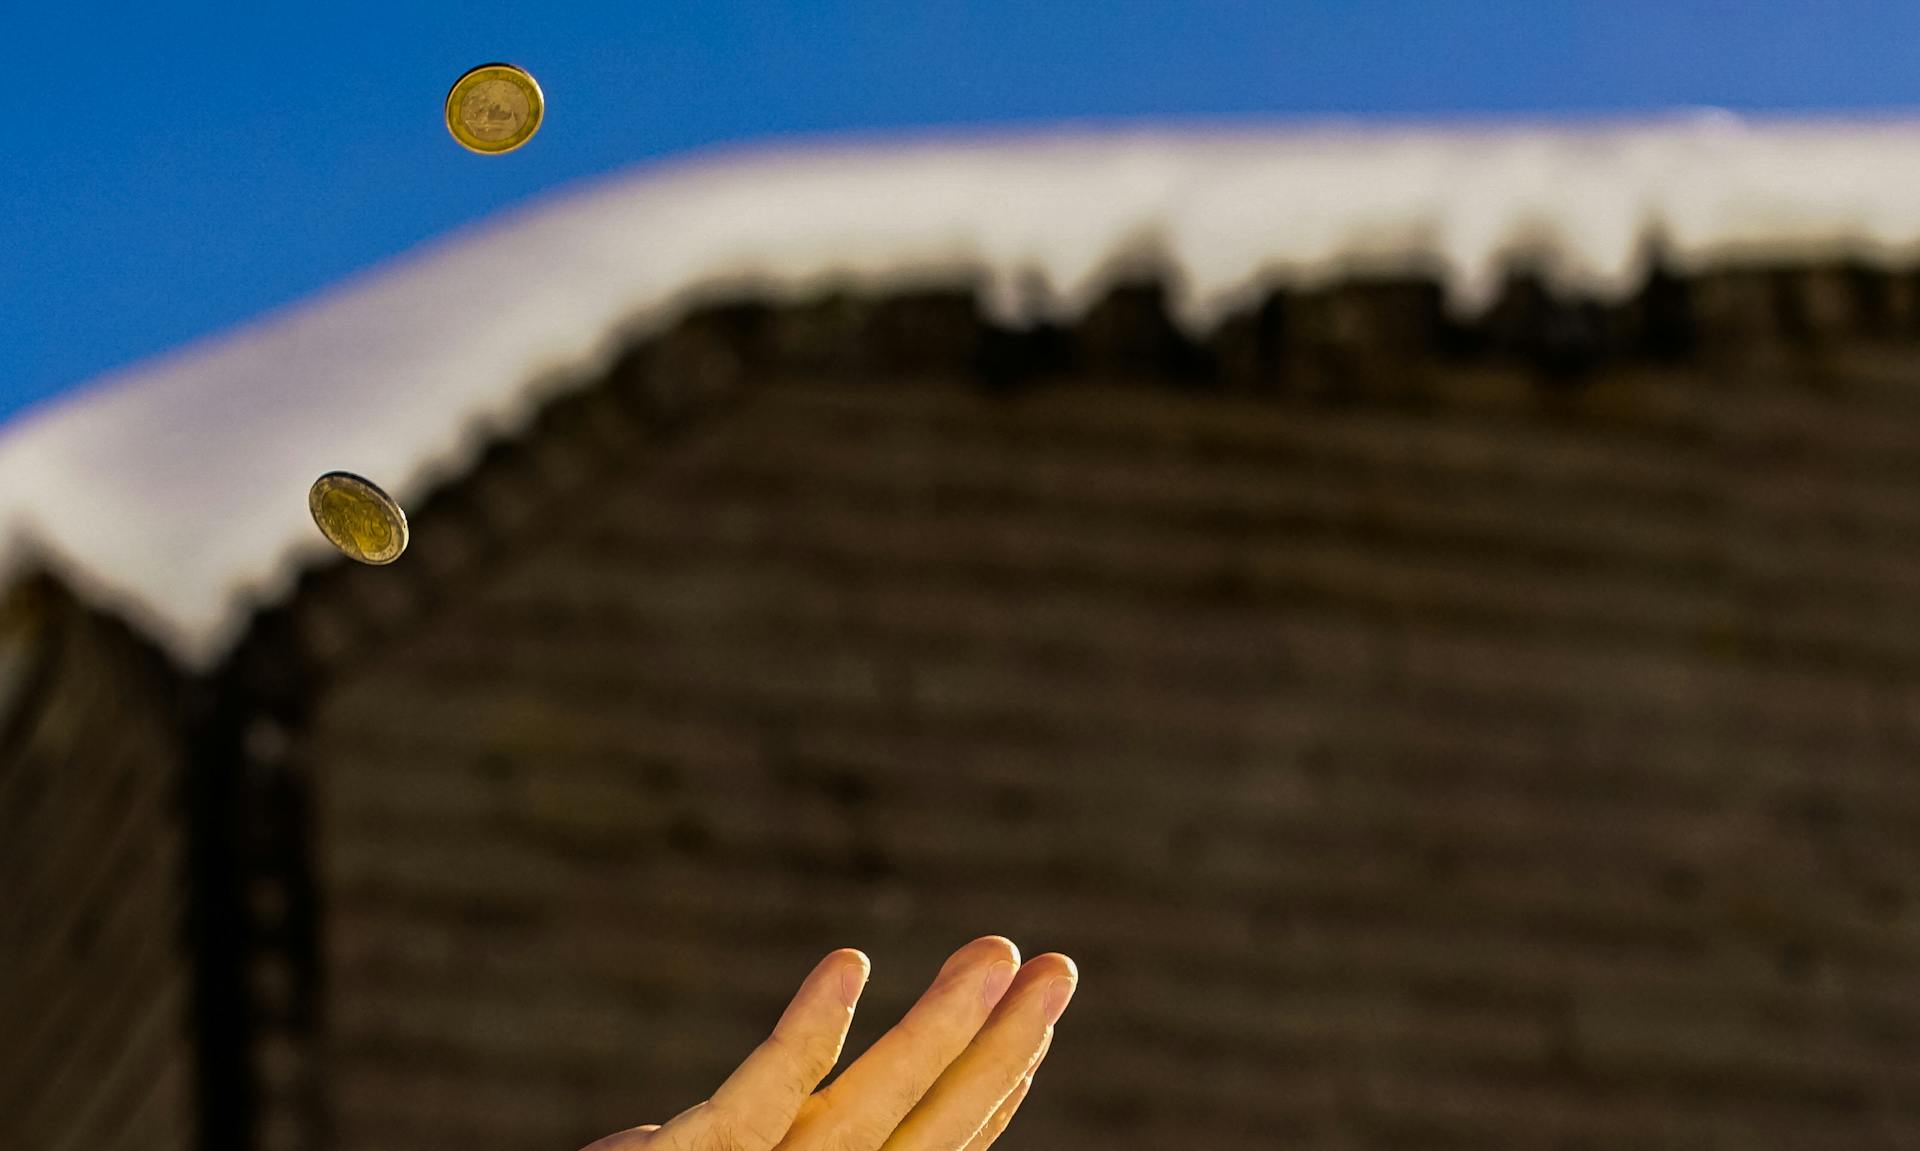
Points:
(175, 492)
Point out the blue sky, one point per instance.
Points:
(171, 169)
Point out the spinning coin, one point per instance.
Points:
(494, 108)
(358, 518)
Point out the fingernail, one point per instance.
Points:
(853, 980)
(1058, 993)
(999, 978)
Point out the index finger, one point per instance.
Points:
(759, 1101)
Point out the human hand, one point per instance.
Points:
(947, 1077)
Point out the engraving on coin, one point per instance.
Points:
(494, 108)
(358, 518)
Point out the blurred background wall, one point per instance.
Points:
(1423, 736)
(96, 976)
(1424, 733)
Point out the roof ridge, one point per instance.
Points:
(165, 492)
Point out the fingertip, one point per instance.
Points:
(999, 978)
(849, 957)
(1059, 994)
(853, 976)
(988, 949)
(1064, 966)
(1060, 975)
(845, 970)
(999, 943)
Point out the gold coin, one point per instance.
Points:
(494, 108)
(358, 518)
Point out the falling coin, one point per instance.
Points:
(358, 518)
(494, 108)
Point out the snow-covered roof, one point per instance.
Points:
(175, 492)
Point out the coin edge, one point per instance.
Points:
(380, 496)
(537, 117)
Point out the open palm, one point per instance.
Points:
(947, 1077)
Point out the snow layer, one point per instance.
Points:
(175, 493)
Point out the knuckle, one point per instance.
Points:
(730, 1130)
(834, 1121)
(838, 1127)
(811, 1052)
(909, 1094)
(858, 1137)
(724, 1134)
